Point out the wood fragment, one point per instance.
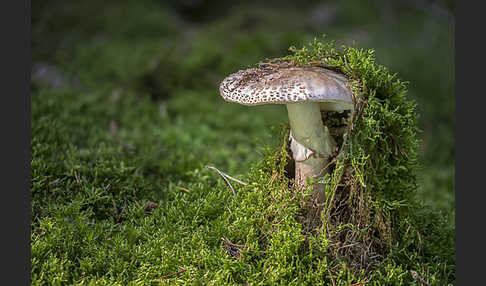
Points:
(150, 206)
(183, 189)
(225, 240)
(173, 274)
(233, 249)
(359, 283)
(349, 245)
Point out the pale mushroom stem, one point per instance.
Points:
(312, 150)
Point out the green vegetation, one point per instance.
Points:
(138, 116)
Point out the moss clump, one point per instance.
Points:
(373, 179)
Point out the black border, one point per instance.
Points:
(15, 51)
(470, 143)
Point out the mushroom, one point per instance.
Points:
(306, 91)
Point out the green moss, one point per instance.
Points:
(102, 151)
(373, 187)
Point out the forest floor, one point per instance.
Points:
(126, 117)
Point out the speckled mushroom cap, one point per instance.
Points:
(280, 85)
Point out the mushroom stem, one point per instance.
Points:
(309, 132)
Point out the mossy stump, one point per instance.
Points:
(372, 175)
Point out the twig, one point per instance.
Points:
(233, 249)
(359, 283)
(228, 208)
(334, 244)
(332, 279)
(224, 178)
(76, 177)
(420, 241)
(228, 176)
(232, 244)
(266, 272)
(273, 178)
(173, 274)
(348, 245)
(183, 189)
(408, 228)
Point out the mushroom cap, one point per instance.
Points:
(281, 85)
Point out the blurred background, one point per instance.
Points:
(171, 56)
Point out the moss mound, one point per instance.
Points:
(373, 229)
(372, 184)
